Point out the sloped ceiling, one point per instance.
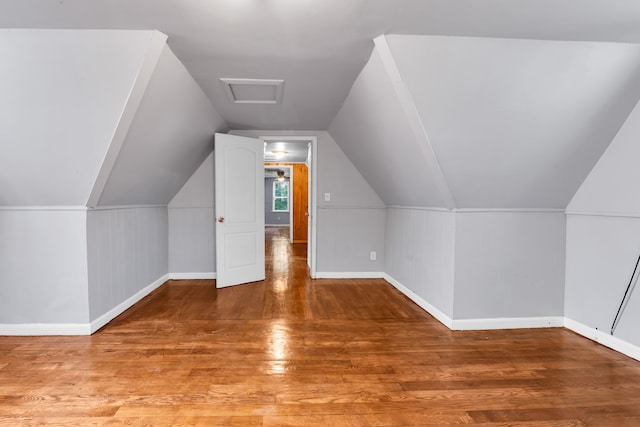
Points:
(512, 123)
(518, 123)
(62, 95)
(375, 132)
(612, 185)
(170, 136)
(317, 46)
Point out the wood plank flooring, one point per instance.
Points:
(291, 351)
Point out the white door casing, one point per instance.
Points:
(239, 183)
(313, 191)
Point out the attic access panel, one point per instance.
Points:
(254, 91)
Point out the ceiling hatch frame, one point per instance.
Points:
(258, 86)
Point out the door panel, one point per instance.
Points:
(300, 203)
(239, 175)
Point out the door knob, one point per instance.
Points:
(220, 219)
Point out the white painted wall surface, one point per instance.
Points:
(192, 224)
(346, 237)
(127, 252)
(603, 239)
(62, 95)
(601, 254)
(171, 135)
(514, 123)
(43, 267)
(509, 265)
(376, 134)
(199, 189)
(192, 246)
(419, 253)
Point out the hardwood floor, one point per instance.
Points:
(291, 351)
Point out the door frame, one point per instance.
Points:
(313, 194)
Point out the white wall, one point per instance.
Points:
(127, 255)
(43, 271)
(346, 237)
(603, 240)
(192, 225)
(509, 265)
(601, 255)
(63, 92)
(419, 255)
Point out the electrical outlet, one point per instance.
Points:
(327, 197)
(372, 256)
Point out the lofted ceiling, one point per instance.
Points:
(317, 47)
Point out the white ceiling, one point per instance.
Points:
(317, 47)
(287, 151)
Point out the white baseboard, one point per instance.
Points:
(603, 338)
(120, 308)
(41, 329)
(37, 329)
(349, 275)
(437, 314)
(192, 276)
(508, 323)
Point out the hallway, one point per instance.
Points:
(291, 351)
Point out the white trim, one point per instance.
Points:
(605, 214)
(349, 275)
(193, 206)
(115, 208)
(124, 305)
(479, 210)
(603, 338)
(515, 210)
(150, 61)
(277, 225)
(43, 208)
(345, 207)
(192, 276)
(507, 323)
(420, 208)
(41, 329)
(437, 314)
(415, 120)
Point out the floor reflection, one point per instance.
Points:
(279, 260)
(279, 346)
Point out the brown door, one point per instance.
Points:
(300, 202)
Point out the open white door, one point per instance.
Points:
(239, 174)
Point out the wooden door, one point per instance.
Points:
(300, 203)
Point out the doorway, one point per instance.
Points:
(296, 157)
